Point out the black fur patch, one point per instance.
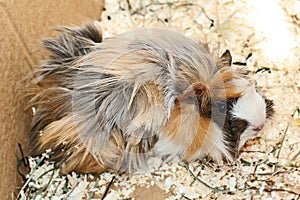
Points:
(269, 108)
(233, 133)
(232, 127)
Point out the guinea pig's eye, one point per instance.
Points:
(221, 106)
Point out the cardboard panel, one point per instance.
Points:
(22, 24)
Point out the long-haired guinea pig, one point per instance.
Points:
(119, 102)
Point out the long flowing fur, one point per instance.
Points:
(106, 103)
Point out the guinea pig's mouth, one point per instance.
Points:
(247, 135)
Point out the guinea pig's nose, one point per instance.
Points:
(258, 128)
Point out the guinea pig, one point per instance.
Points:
(118, 102)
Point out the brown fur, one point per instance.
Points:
(220, 82)
(172, 127)
(223, 86)
(199, 137)
(176, 121)
(62, 138)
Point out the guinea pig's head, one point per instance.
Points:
(240, 118)
(236, 111)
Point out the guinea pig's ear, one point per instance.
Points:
(193, 90)
(225, 60)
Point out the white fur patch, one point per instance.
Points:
(251, 107)
(165, 146)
